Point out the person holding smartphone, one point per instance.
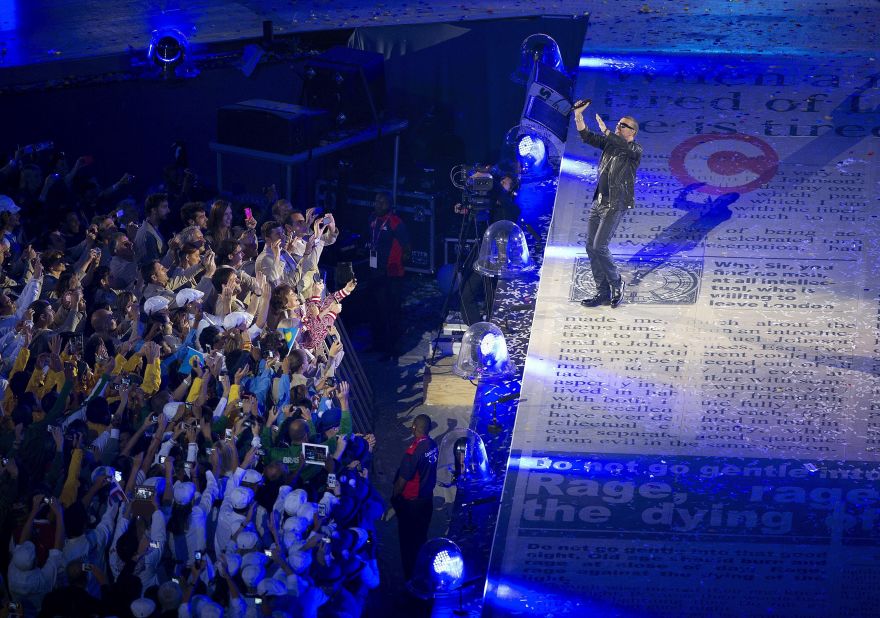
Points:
(29, 584)
(84, 543)
(274, 261)
(62, 601)
(140, 537)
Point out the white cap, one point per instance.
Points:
(204, 607)
(299, 561)
(107, 471)
(24, 555)
(170, 409)
(308, 510)
(188, 295)
(251, 477)
(329, 501)
(247, 540)
(296, 524)
(241, 497)
(254, 558)
(292, 541)
(271, 587)
(206, 321)
(155, 304)
(252, 574)
(237, 319)
(141, 608)
(184, 492)
(156, 481)
(7, 205)
(294, 500)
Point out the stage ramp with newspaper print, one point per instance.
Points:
(709, 448)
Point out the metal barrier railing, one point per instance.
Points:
(360, 393)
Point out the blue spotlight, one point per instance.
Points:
(168, 50)
(448, 564)
(531, 151)
(483, 354)
(439, 569)
(493, 349)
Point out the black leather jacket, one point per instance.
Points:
(621, 160)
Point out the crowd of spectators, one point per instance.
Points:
(162, 363)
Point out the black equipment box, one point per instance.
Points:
(415, 209)
(348, 83)
(271, 126)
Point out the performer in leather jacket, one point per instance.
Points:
(614, 194)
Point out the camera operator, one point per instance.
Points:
(498, 205)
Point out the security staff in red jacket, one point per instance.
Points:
(389, 250)
(413, 493)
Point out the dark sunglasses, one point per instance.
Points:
(625, 126)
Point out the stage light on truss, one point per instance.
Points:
(483, 354)
(537, 49)
(439, 569)
(504, 252)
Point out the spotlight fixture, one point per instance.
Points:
(462, 458)
(504, 252)
(531, 152)
(483, 354)
(439, 569)
(169, 50)
(537, 49)
(546, 111)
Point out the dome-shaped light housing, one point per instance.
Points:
(504, 252)
(462, 458)
(531, 152)
(439, 569)
(537, 49)
(168, 48)
(483, 354)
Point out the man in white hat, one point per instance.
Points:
(170, 597)
(151, 542)
(187, 524)
(85, 544)
(235, 511)
(27, 583)
(8, 205)
(12, 222)
(274, 599)
(202, 606)
(143, 608)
